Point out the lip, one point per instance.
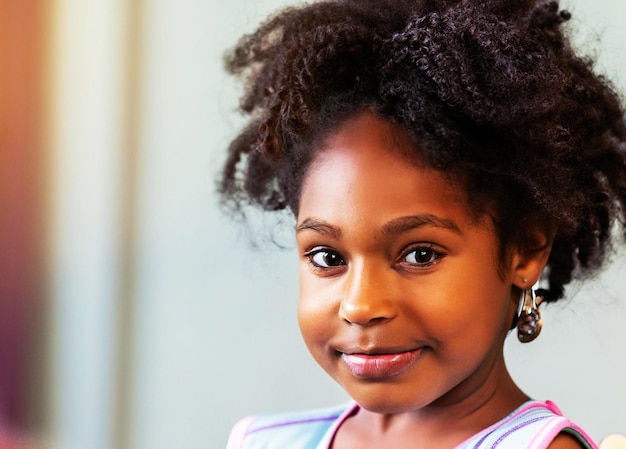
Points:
(381, 364)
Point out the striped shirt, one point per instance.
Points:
(532, 426)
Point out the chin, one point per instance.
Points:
(384, 400)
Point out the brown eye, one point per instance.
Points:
(324, 258)
(422, 256)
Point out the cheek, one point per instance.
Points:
(315, 313)
(317, 327)
(465, 313)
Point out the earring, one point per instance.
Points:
(529, 320)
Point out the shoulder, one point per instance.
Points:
(534, 425)
(303, 429)
(565, 441)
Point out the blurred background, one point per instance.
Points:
(133, 313)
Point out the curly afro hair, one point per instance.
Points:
(491, 92)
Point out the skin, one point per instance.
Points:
(392, 262)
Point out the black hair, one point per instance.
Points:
(491, 91)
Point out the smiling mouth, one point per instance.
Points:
(379, 366)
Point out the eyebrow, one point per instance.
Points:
(403, 224)
(394, 227)
(319, 226)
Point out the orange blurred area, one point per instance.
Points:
(21, 211)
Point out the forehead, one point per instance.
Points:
(370, 163)
(366, 130)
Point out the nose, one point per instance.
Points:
(367, 297)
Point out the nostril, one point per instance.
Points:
(367, 313)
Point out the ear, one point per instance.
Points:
(528, 261)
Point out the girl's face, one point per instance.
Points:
(401, 297)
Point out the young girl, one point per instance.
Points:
(440, 157)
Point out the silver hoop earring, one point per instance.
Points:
(529, 319)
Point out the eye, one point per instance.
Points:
(423, 256)
(324, 258)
